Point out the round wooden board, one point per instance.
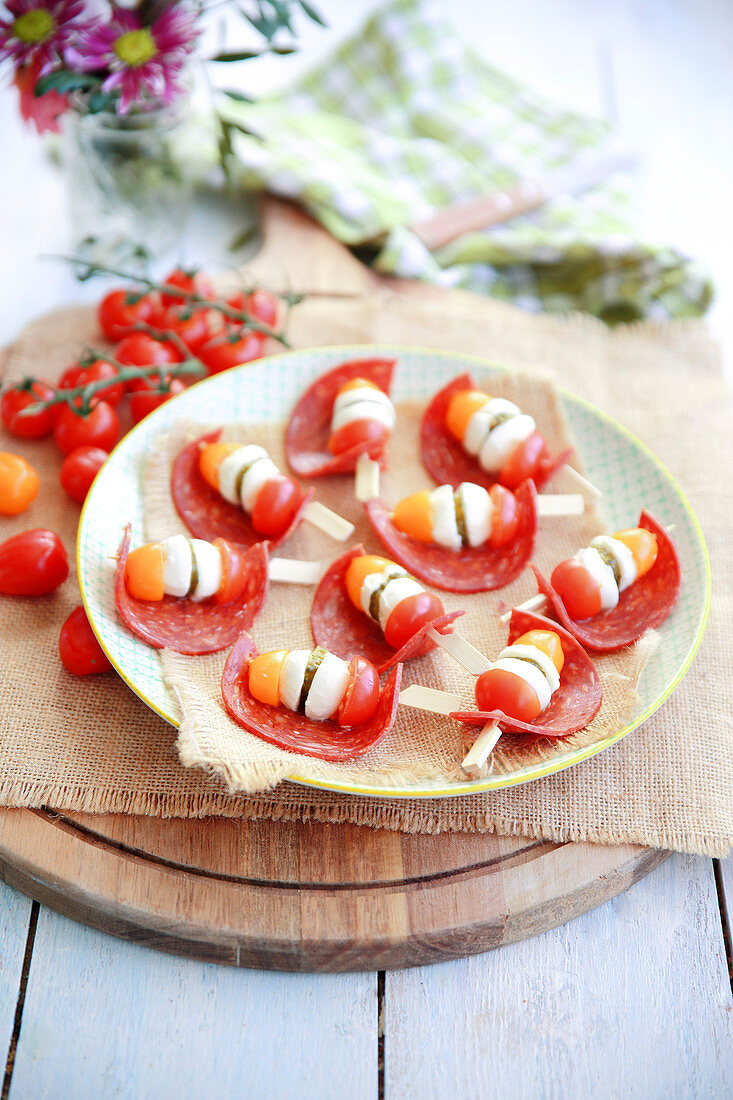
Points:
(306, 896)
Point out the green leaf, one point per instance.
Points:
(313, 14)
(64, 81)
(242, 238)
(237, 55)
(238, 97)
(101, 101)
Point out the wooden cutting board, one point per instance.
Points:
(307, 896)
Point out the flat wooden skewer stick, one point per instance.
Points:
(430, 699)
(291, 571)
(366, 485)
(534, 603)
(461, 650)
(474, 763)
(327, 521)
(582, 481)
(560, 504)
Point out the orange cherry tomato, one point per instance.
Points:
(356, 433)
(264, 676)
(409, 616)
(524, 461)
(413, 516)
(643, 547)
(32, 563)
(120, 310)
(577, 589)
(358, 569)
(548, 642)
(79, 470)
(18, 484)
(211, 457)
(497, 689)
(144, 571)
(505, 519)
(275, 506)
(461, 408)
(362, 694)
(80, 652)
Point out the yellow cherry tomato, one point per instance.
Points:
(358, 384)
(413, 517)
(548, 642)
(643, 547)
(18, 484)
(360, 568)
(211, 458)
(461, 408)
(144, 572)
(264, 676)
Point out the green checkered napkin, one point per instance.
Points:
(403, 121)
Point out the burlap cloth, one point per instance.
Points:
(92, 745)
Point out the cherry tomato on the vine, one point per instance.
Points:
(19, 397)
(79, 470)
(362, 694)
(100, 428)
(78, 375)
(230, 350)
(260, 303)
(144, 398)
(141, 350)
(120, 310)
(79, 650)
(70, 378)
(192, 281)
(18, 484)
(189, 323)
(32, 563)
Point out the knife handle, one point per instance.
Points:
(479, 213)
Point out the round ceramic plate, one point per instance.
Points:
(626, 472)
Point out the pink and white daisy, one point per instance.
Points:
(144, 62)
(38, 31)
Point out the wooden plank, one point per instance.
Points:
(15, 911)
(159, 1026)
(725, 878)
(630, 1000)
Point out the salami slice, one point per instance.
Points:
(444, 457)
(344, 630)
(205, 511)
(575, 703)
(645, 604)
(470, 569)
(309, 427)
(192, 627)
(294, 732)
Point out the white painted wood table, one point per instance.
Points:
(631, 1000)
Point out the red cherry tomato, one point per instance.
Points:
(409, 616)
(69, 380)
(193, 281)
(79, 650)
(506, 517)
(21, 396)
(79, 470)
(98, 371)
(234, 572)
(264, 306)
(275, 506)
(362, 694)
(191, 325)
(120, 310)
(356, 433)
(141, 350)
(497, 689)
(32, 563)
(524, 461)
(146, 398)
(230, 350)
(100, 428)
(577, 589)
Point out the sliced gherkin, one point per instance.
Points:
(460, 516)
(389, 575)
(499, 419)
(536, 664)
(610, 561)
(314, 661)
(194, 570)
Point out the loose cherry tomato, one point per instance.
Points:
(358, 432)
(120, 310)
(506, 517)
(362, 694)
(275, 506)
(409, 615)
(79, 470)
(32, 563)
(79, 650)
(141, 350)
(192, 281)
(100, 428)
(190, 323)
(230, 350)
(18, 484)
(146, 397)
(497, 689)
(577, 589)
(19, 397)
(524, 461)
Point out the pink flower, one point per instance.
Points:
(145, 62)
(38, 31)
(43, 111)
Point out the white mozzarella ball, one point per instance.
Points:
(362, 393)
(328, 687)
(395, 592)
(259, 473)
(364, 410)
(602, 574)
(232, 466)
(530, 674)
(479, 425)
(532, 653)
(478, 512)
(503, 440)
(177, 564)
(292, 674)
(443, 518)
(623, 556)
(373, 581)
(208, 565)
